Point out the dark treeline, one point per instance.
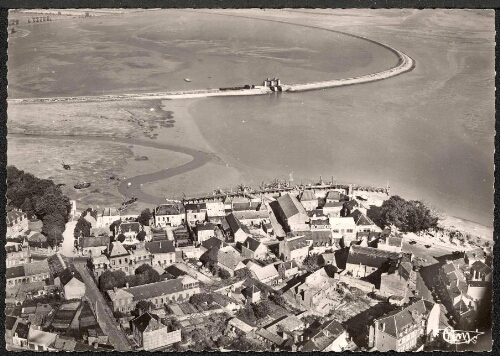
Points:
(41, 199)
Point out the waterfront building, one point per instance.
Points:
(129, 230)
(168, 215)
(215, 211)
(390, 243)
(107, 217)
(195, 213)
(363, 222)
(407, 329)
(150, 333)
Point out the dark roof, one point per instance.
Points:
(13, 215)
(484, 284)
(333, 195)
(318, 237)
(369, 256)
(38, 244)
(290, 205)
(175, 271)
(395, 241)
(296, 243)
(143, 321)
(116, 249)
(204, 227)
(229, 259)
(14, 272)
(252, 244)
(211, 242)
(94, 241)
(57, 263)
(360, 218)
(22, 330)
(351, 204)
(235, 224)
(68, 274)
(316, 212)
(481, 267)
(196, 208)
(157, 289)
(290, 264)
(10, 321)
(163, 246)
(398, 320)
(328, 332)
(167, 209)
(333, 204)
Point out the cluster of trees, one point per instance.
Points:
(145, 217)
(202, 298)
(40, 199)
(313, 262)
(408, 216)
(145, 274)
(255, 311)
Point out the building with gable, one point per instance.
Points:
(407, 329)
(291, 214)
(390, 243)
(106, 217)
(17, 223)
(363, 261)
(235, 229)
(162, 252)
(253, 248)
(118, 257)
(150, 333)
(168, 215)
(309, 200)
(70, 283)
(195, 213)
(93, 245)
(294, 248)
(330, 337)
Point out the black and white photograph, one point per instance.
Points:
(250, 179)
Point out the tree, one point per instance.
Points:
(144, 306)
(198, 299)
(141, 236)
(408, 216)
(261, 309)
(144, 217)
(243, 273)
(114, 225)
(312, 262)
(82, 227)
(109, 280)
(223, 274)
(121, 237)
(27, 207)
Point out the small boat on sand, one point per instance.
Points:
(187, 80)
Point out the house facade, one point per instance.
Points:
(118, 257)
(294, 249)
(162, 252)
(168, 215)
(150, 333)
(17, 223)
(107, 216)
(253, 248)
(363, 261)
(291, 214)
(406, 330)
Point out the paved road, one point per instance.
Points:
(106, 320)
(199, 159)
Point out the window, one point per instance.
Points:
(349, 231)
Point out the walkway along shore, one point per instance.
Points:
(406, 64)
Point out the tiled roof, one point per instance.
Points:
(14, 272)
(167, 209)
(397, 321)
(252, 244)
(333, 195)
(333, 204)
(308, 195)
(318, 237)
(41, 337)
(211, 242)
(34, 268)
(266, 272)
(316, 212)
(205, 227)
(251, 214)
(228, 259)
(68, 274)
(196, 208)
(116, 249)
(65, 343)
(22, 330)
(143, 321)
(351, 204)
(369, 256)
(327, 334)
(360, 218)
(94, 241)
(157, 289)
(163, 246)
(119, 294)
(241, 325)
(274, 338)
(10, 321)
(296, 243)
(290, 205)
(57, 264)
(481, 267)
(235, 224)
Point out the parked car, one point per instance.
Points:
(413, 242)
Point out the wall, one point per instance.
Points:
(160, 338)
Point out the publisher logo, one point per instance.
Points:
(457, 337)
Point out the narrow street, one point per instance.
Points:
(105, 317)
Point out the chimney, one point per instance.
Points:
(127, 285)
(115, 289)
